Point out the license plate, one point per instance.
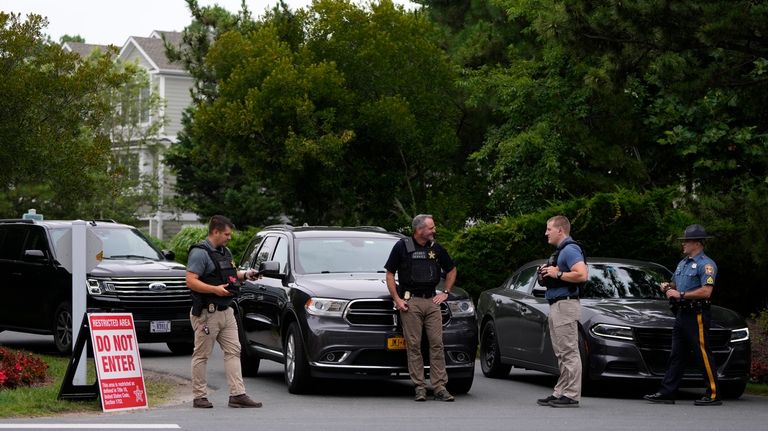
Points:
(395, 343)
(159, 326)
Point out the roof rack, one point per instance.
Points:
(279, 227)
(16, 220)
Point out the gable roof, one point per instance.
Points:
(153, 50)
(83, 49)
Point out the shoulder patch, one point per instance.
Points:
(710, 280)
(709, 269)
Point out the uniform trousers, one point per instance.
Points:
(564, 331)
(222, 328)
(691, 334)
(423, 313)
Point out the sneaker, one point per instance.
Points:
(243, 401)
(545, 401)
(201, 403)
(659, 398)
(707, 401)
(444, 395)
(421, 394)
(563, 402)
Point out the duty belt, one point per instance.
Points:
(561, 298)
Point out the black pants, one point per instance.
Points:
(691, 335)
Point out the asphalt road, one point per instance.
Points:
(492, 404)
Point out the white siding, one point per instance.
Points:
(177, 99)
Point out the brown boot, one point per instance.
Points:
(201, 403)
(243, 401)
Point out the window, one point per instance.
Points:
(250, 253)
(265, 252)
(281, 255)
(353, 254)
(525, 279)
(13, 243)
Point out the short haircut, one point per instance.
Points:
(561, 222)
(420, 220)
(219, 222)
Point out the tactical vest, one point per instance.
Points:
(551, 282)
(225, 273)
(419, 269)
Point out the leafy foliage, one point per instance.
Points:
(20, 369)
(758, 330)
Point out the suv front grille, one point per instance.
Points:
(137, 289)
(379, 312)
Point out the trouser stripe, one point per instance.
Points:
(705, 358)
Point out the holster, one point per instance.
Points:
(197, 305)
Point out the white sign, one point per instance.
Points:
(118, 365)
(94, 250)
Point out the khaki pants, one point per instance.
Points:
(422, 313)
(222, 327)
(564, 330)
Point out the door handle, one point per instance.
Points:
(262, 287)
(498, 302)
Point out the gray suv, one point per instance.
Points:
(321, 307)
(134, 276)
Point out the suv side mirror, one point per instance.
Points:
(169, 255)
(34, 255)
(271, 268)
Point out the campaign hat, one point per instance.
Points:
(695, 231)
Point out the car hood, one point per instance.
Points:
(138, 268)
(650, 312)
(351, 286)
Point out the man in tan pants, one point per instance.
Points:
(563, 274)
(212, 277)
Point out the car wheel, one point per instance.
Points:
(296, 365)
(732, 390)
(589, 386)
(249, 363)
(490, 354)
(62, 328)
(181, 348)
(461, 385)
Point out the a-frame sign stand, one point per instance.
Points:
(68, 390)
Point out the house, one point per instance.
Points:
(171, 83)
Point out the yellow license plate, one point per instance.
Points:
(395, 343)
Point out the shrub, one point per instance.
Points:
(758, 328)
(20, 369)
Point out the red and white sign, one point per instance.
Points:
(118, 365)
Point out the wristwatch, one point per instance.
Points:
(682, 295)
(446, 291)
(559, 275)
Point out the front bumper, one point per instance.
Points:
(339, 350)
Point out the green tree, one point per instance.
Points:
(53, 110)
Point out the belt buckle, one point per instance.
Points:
(211, 308)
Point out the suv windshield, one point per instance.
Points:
(353, 254)
(119, 243)
(624, 281)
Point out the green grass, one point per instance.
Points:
(757, 389)
(42, 400)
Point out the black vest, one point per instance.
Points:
(419, 270)
(551, 282)
(225, 273)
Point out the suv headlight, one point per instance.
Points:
(613, 331)
(741, 334)
(94, 286)
(325, 307)
(461, 308)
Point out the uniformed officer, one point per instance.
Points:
(693, 283)
(213, 278)
(418, 260)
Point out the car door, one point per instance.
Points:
(12, 239)
(39, 279)
(258, 300)
(506, 317)
(533, 325)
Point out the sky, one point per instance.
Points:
(106, 22)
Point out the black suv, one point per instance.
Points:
(322, 308)
(133, 276)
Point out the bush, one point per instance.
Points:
(20, 369)
(758, 328)
(624, 224)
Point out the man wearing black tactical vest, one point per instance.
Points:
(419, 261)
(214, 280)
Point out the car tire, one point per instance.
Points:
(249, 363)
(589, 386)
(297, 375)
(490, 354)
(732, 390)
(62, 328)
(460, 385)
(181, 348)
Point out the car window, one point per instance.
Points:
(249, 255)
(524, 280)
(617, 280)
(13, 242)
(352, 254)
(125, 244)
(281, 254)
(37, 240)
(265, 251)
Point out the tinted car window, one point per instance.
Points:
(328, 255)
(265, 252)
(281, 255)
(524, 280)
(624, 281)
(13, 243)
(250, 252)
(126, 243)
